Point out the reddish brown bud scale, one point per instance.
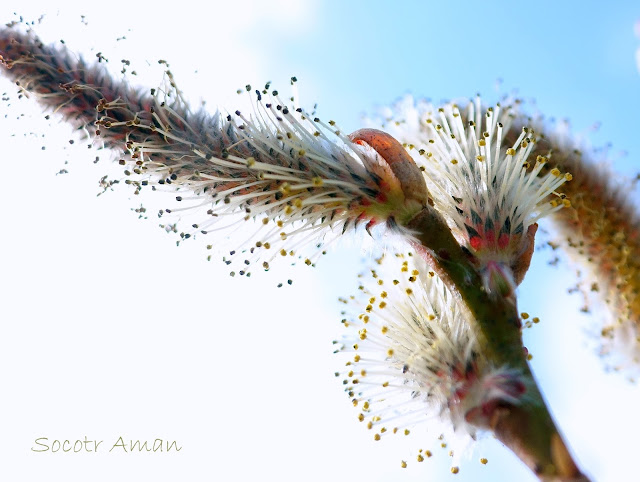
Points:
(521, 265)
(399, 161)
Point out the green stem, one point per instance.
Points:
(527, 429)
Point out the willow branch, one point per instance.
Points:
(527, 429)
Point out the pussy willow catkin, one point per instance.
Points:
(413, 351)
(599, 222)
(486, 179)
(292, 174)
(603, 231)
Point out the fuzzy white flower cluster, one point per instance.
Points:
(413, 356)
(288, 173)
(482, 178)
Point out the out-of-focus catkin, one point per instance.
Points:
(602, 228)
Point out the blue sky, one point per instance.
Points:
(113, 330)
